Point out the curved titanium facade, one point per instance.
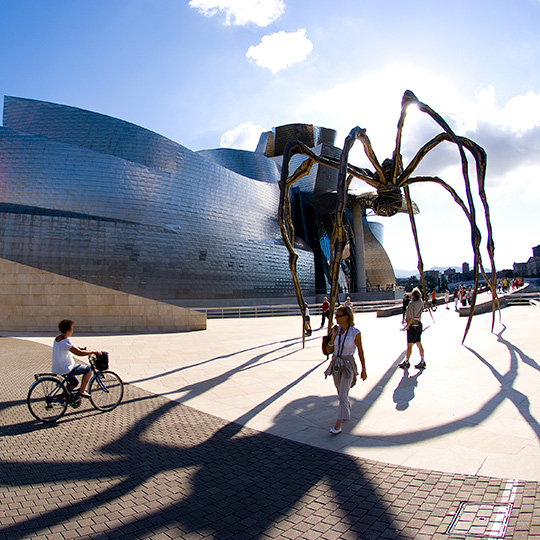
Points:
(107, 202)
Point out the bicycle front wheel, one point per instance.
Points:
(106, 390)
(46, 399)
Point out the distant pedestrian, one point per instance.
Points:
(406, 300)
(414, 330)
(345, 340)
(446, 298)
(349, 303)
(308, 321)
(325, 311)
(434, 300)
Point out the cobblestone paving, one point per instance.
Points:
(156, 469)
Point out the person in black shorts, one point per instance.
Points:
(414, 330)
(406, 300)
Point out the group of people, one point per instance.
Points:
(506, 284)
(343, 341)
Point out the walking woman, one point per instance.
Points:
(345, 340)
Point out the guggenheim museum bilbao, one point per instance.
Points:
(107, 202)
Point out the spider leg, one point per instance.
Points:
(284, 211)
(481, 164)
(408, 99)
(417, 244)
(480, 158)
(361, 135)
(475, 231)
(475, 237)
(339, 236)
(284, 215)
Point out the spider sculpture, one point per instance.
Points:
(392, 181)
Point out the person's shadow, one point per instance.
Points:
(404, 392)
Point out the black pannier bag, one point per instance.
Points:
(102, 361)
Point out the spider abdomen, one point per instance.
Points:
(389, 201)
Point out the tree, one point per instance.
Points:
(412, 282)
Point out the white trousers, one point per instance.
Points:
(343, 382)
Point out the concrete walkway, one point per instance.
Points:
(474, 410)
(191, 452)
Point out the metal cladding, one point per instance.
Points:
(104, 201)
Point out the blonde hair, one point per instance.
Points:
(347, 310)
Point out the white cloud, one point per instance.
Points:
(519, 114)
(521, 181)
(243, 137)
(281, 50)
(240, 12)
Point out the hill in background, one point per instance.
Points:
(404, 274)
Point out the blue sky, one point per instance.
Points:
(210, 73)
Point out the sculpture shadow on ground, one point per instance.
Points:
(282, 343)
(508, 379)
(212, 477)
(476, 417)
(155, 465)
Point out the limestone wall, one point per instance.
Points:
(33, 300)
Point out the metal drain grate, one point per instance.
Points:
(488, 520)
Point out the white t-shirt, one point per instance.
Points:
(62, 359)
(349, 345)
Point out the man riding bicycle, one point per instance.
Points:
(63, 362)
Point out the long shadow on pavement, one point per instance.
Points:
(156, 466)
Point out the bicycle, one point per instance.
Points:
(50, 394)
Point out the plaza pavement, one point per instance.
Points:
(475, 410)
(419, 445)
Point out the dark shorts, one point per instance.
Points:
(413, 333)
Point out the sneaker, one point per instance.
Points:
(76, 401)
(404, 365)
(421, 365)
(335, 431)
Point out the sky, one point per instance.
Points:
(211, 73)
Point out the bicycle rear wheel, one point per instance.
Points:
(106, 390)
(46, 399)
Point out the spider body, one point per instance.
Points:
(391, 181)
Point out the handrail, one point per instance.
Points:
(239, 312)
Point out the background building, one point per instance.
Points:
(531, 268)
(110, 203)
